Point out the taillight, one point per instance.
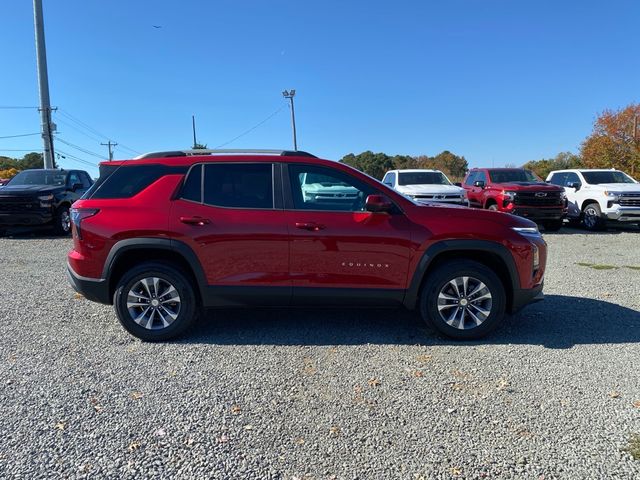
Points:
(78, 215)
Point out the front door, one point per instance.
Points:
(337, 248)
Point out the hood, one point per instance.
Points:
(458, 213)
(529, 187)
(26, 190)
(617, 187)
(429, 188)
(318, 187)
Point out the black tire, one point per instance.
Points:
(438, 281)
(493, 207)
(186, 312)
(552, 225)
(62, 221)
(592, 217)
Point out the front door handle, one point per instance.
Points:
(196, 221)
(311, 226)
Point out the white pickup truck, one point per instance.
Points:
(598, 196)
(424, 185)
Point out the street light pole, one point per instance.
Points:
(290, 94)
(43, 85)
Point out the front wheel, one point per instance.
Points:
(155, 301)
(592, 217)
(463, 299)
(493, 207)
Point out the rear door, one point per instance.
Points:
(230, 214)
(339, 250)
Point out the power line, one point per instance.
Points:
(11, 107)
(22, 135)
(77, 159)
(254, 127)
(83, 150)
(37, 149)
(82, 132)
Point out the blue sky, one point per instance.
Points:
(498, 81)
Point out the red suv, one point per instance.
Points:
(169, 233)
(517, 191)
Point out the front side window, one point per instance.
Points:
(74, 179)
(480, 177)
(571, 178)
(608, 176)
(558, 179)
(389, 179)
(239, 185)
(506, 176)
(320, 188)
(470, 178)
(422, 178)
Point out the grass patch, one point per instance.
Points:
(632, 267)
(597, 266)
(633, 447)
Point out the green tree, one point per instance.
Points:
(562, 161)
(373, 164)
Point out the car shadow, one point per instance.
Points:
(610, 230)
(557, 322)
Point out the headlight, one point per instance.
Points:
(527, 231)
(509, 195)
(612, 195)
(46, 198)
(563, 195)
(536, 257)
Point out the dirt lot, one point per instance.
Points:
(349, 394)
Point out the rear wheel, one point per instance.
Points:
(463, 299)
(592, 217)
(62, 221)
(155, 301)
(552, 225)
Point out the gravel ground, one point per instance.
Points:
(323, 394)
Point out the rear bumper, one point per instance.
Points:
(523, 297)
(25, 219)
(94, 289)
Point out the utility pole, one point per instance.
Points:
(47, 128)
(193, 126)
(290, 94)
(110, 144)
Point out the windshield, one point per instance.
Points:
(39, 177)
(516, 175)
(610, 176)
(422, 178)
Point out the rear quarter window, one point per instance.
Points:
(129, 180)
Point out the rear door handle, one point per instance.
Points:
(311, 226)
(196, 221)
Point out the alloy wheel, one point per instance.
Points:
(65, 221)
(153, 303)
(464, 302)
(590, 217)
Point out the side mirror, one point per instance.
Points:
(76, 186)
(478, 183)
(575, 185)
(458, 184)
(378, 203)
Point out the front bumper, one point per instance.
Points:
(622, 214)
(25, 219)
(523, 297)
(540, 213)
(94, 289)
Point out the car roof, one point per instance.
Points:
(415, 170)
(193, 159)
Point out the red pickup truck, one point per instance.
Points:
(517, 191)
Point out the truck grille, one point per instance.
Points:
(18, 204)
(438, 198)
(630, 200)
(538, 199)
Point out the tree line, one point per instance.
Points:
(10, 167)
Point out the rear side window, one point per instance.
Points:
(129, 180)
(192, 188)
(239, 185)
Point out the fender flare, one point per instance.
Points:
(431, 253)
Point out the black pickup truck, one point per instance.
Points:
(42, 198)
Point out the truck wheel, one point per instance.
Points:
(592, 217)
(155, 301)
(493, 207)
(62, 221)
(463, 299)
(552, 225)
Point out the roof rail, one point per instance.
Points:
(188, 153)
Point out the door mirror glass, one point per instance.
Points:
(479, 184)
(378, 203)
